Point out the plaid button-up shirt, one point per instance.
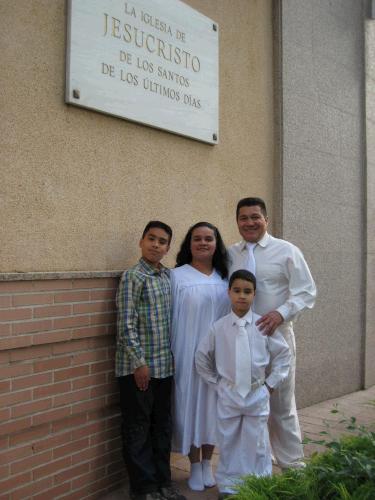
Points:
(143, 321)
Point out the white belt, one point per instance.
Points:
(253, 386)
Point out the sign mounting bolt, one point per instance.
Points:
(76, 94)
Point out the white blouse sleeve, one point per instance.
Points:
(205, 359)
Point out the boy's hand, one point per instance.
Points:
(142, 377)
(269, 322)
(270, 389)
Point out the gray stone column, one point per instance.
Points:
(322, 144)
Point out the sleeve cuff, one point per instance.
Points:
(284, 311)
(213, 380)
(139, 362)
(273, 380)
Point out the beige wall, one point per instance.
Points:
(78, 186)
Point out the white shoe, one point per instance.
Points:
(295, 465)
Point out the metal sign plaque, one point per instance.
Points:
(150, 61)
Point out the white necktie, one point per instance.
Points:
(243, 360)
(251, 265)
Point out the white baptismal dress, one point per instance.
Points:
(198, 300)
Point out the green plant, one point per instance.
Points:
(290, 485)
(345, 471)
(347, 468)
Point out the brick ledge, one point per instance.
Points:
(33, 276)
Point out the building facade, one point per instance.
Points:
(297, 127)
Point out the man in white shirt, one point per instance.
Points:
(285, 287)
(245, 367)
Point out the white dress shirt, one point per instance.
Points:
(215, 358)
(284, 281)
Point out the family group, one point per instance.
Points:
(206, 355)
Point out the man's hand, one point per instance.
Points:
(142, 377)
(269, 322)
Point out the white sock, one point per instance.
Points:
(195, 480)
(208, 476)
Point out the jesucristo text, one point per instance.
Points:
(138, 38)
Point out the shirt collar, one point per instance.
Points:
(262, 242)
(248, 317)
(265, 240)
(149, 269)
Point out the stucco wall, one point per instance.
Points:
(78, 186)
(323, 186)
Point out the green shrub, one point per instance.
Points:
(345, 471)
(290, 485)
(349, 464)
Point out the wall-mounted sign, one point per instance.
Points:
(150, 61)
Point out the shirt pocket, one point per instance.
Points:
(270, 273)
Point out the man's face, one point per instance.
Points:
(252, 224)
(154, 245)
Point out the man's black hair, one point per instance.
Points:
(252, 202)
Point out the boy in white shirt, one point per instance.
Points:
(246, 366)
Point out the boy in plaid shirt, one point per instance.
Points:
(144, 367)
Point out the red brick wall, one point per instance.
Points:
(59, 418)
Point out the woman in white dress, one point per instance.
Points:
(199, 291)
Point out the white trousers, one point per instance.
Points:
(283, 424)
(242, 436)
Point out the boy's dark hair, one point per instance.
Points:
(219, 259)
(160, 225)
(243, 274)
(252, 202)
